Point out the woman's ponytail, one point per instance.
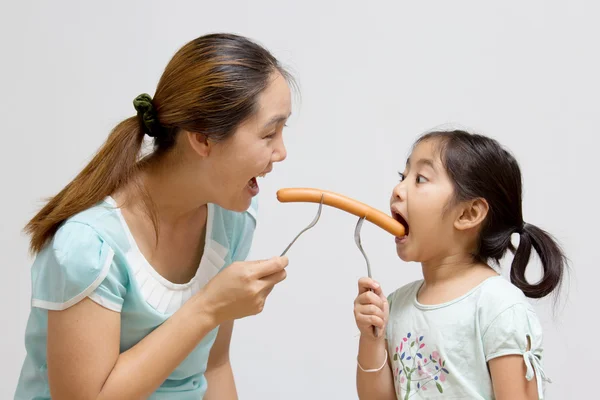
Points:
(111, 167)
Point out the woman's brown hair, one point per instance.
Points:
(210, 86)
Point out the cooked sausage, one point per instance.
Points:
(311, 195)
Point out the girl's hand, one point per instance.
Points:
(371, 308)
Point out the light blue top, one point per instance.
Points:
(443, 350)
(94, 255)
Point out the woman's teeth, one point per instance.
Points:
(252, 183)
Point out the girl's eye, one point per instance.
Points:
(402, 177)
(421, 179)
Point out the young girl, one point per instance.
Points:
(463, 332)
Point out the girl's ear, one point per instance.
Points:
(472, 215)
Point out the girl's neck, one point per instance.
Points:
(450, 277)
(447, 268)
(458, 270)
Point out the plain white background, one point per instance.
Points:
(373, 76)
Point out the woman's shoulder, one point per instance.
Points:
(84, 244)
(103, 215)
(76, 260)
(100, 221)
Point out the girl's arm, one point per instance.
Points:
(371, 309)
(221, 385)
(508, 377)
(374, 385)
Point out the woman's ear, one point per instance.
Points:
(472, 215)
(199, 143)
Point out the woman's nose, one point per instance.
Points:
(280, 152)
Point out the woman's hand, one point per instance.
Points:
(241, 289)
(371, 308)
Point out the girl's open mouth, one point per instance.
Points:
(398, 217)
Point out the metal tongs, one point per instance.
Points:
(356, 240)
(359, 244)
(313, 223)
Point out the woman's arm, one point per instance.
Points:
(83, 345)
(83, 352)
(508, 378)
(221, 385)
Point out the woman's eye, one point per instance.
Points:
(401, 175)
(421, 179)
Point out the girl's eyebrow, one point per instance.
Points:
(422, 161)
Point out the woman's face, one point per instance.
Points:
(252, 150)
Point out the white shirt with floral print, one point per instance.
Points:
(441, 351)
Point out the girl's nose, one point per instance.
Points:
(399, 192)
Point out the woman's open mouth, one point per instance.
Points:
(253, 183)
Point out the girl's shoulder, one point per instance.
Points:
(404, 293)
(498, 294)
(502, 308)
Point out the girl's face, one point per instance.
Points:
(422, 202)
(252, 150)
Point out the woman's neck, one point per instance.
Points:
(168, 186)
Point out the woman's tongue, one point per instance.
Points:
(253, 185)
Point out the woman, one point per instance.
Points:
(130, 294)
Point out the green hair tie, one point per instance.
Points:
(147, 114)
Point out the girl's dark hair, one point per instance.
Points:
(210, 86)
(480, 167)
